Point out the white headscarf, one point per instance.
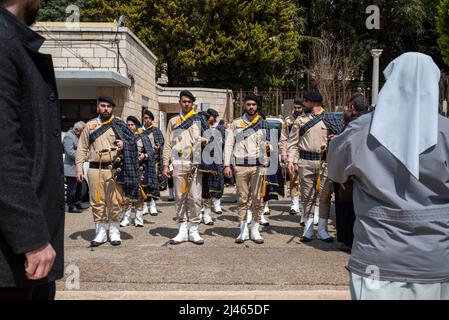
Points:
(406, 117)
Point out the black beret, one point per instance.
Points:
(149, 113)
(313, 96)
(187, 93)
(135, 120)
(107, 100)
(252, 96)
(299, 102)
(212, 112)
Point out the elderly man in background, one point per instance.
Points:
(74, 188)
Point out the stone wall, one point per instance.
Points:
(94, 48)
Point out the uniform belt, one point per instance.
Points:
(96, 165)
(313, 156)
(247, 162)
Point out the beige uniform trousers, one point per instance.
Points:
(308, 184)
(188, 205)
(108, 209)
(249, 185)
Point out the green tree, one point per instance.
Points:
(55, 10)
(406, 25)
(443, 29)
(221, 43)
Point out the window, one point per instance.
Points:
(73, 111)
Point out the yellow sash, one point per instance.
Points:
(187, 116)
(245, 124)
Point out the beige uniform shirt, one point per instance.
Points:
(284, 136)
(181, 143)
(89, 152)
(312, 141)
(250, 147)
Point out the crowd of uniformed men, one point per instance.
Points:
(130, 163)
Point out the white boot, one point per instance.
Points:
(171, 196)
(217, 206)
(323, 234)
(194, 235)
(308, 231)
(264, 222)
(153, 209)
(126, 218)
(244, 233)
(295, 206)
(316, 215)
(100, 234)
(183, 235)
(249, 216)
(207, 220)
(145, 208)
(138, 222)
(114, 234)
(255, 234)
(266, 209)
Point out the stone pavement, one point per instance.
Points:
(145, 266)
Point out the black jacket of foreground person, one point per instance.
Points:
(31, 167)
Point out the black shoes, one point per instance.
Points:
(95, 244)
(328, 240)
(75, 210)
(116, 243)
(305, 240)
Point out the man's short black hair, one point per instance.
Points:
(360, 103)
(149, 114)
(212, 112)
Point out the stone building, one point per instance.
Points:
(93, 59)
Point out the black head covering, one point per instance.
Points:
(149, 113)
(299, 102)
(252, 96)
(313, 96)
(212, 112)
(107, 100)
(135, 120)
(187, 93)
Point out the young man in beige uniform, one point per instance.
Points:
(247, 143)
(183, 149)
(102, 143)
(307, 150)
(298, 110)
(157, 141)
(149, 187)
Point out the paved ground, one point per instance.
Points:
(282, 268)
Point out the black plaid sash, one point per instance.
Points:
(333, 122)
(130, 169)
(150, 176)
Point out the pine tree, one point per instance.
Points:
(220, 43)
(443, 29)
(55, 10)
